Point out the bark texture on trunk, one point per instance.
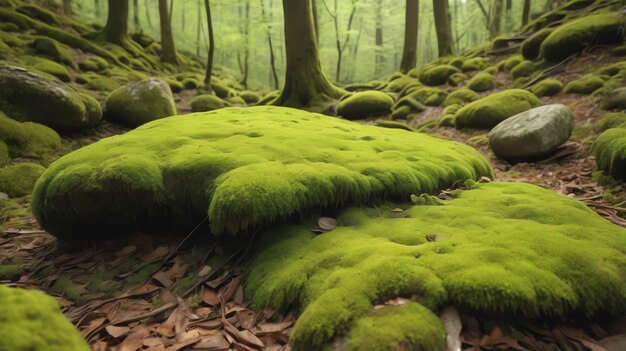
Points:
(209, 65)
(409, 53)
(168, 50)
(443, 28)
(116, 29)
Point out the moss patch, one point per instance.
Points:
(532, 44)
(365, 104)
(461, 97)
(481, 82)
(547, 87)
(610, 151)
(438, 75)
(140, 102)
(19, 179)
(31, 320)
(586, 84)
(47, 66)
(244, 167)
(204, 103)
(495, 108)
(611, 120)
(28, 139)
(10, 272)
(505, 248)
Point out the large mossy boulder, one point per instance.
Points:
(32, 320)
(495, 108)
(610, 151)
(140, 102)
(438, 75)
(26, 96)
(365, 104)
(533, 133)
(575, 36)
(203, 103)
(243, 167)
(508, 249)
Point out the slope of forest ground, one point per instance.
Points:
(182, 292)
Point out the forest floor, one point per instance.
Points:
(168, 294)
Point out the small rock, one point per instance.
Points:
(533, 133)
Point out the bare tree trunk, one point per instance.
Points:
(168, 50)
(380, 57)
(316, 21)
(67, 7)
(411, 26)
(199, 27)
(305, 83)
(340, 47)
(246, 51)
(209, 65)
(136, 15)
(273, 74)
(526, 12)
(116, 29)
(496, 18)
(148, 16)
(442, 26)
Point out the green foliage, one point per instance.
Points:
(19, 179)
(31, 320)
(586, 84)
(365, 104)
(481, 82)
(547, 87)
(461, 97)
(244, 167)
(495, 108)
(204, 103)
(504, 248)
(437, 75)
(610, 151)
(574, 36)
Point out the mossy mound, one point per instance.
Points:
(32, 320)
(575, 36)
(510, 63)
(495, 108)
(460, 97)
(101, 83)
(523, 69)
(39, 13)
(400, 83)
(222, 90)
(203, 103)
(47, 66)
(365, 104)
(437, 75)
(547, 87)
(586, 84)
(19, 179)
(481, 82)
(250, 97)
(475, 64)
(244, 167)
(504, 248)
(26, 96)
(190, 83)
(140, 102)
(28, 139)
(10, 271)
(53, 49)
(610, 151)
(93, 64)
(611, 120)
(531, 46)
(615, 99)
(429, 96)
(457, 78)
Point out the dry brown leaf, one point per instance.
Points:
(117, 332)
(155, 254)
(215, 342)
(209, 297)
(134, 340)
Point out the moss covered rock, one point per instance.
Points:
(47, 66)
(512, 249)
(610, 151)
(532, 134)
(461, 97)
(575, 36)
(611, 120)
(438, 75)
(547, 87)
(523, 69)
(400, 83)
(222, 90)
(250, 97)
(19, 179)
(495, 108)
(140, 102)
(429, 96)
(365, 104)
(244, 167)
(32, 320)
(481, 82)
(28, 139)
(55, 50)
(475, 64)
(586, 84)
(190, 83)
(615, 100)
(93, 64)
(510, 63)
(26, 96)
(531, 45)
(102, 83)
(204, 103)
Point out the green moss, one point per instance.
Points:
(102, 83)
(575, 36)
(619, 51)
(385, 123)
(523, 69)
(28, 139)
(365, 104)
(475, 64)
(481, 82)
(53, 49)
(175, 85)
(93, 64)
(428, 95)
(404, 327)
(140, 102)
(610, 151)
(38, 13)
(47, 66)
(10, 271)
(504, 248)
(236, 100)
(244, 167)
(31, 320)
(401, 83)
(611, 120)
(461, 97)
(402, 112)
(547, 87)
(586, 84)
(511, 62)
(531, 45)
(437, 75)
(19, 179)
(457, 78)
(203, 103)
(250, 97)
(4, 154)
(495, 108)
(222, 90)
(9, 27)
(190, 83)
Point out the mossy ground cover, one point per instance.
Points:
(243, 168)
(503, 248)
(609, 149)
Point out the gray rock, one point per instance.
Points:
(140, 102)
(29, 97)
(615, 100)
(533, 133)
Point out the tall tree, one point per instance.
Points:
(496, 18)
(340, 46)
(168, 50)
(526, 12)
(273, 73)
(209, 65)
(116, 29)
(443, 28)
(245, 33)
(316, 21)
(305, 83)
(136, 15)
(380, 57)
(411, 26)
